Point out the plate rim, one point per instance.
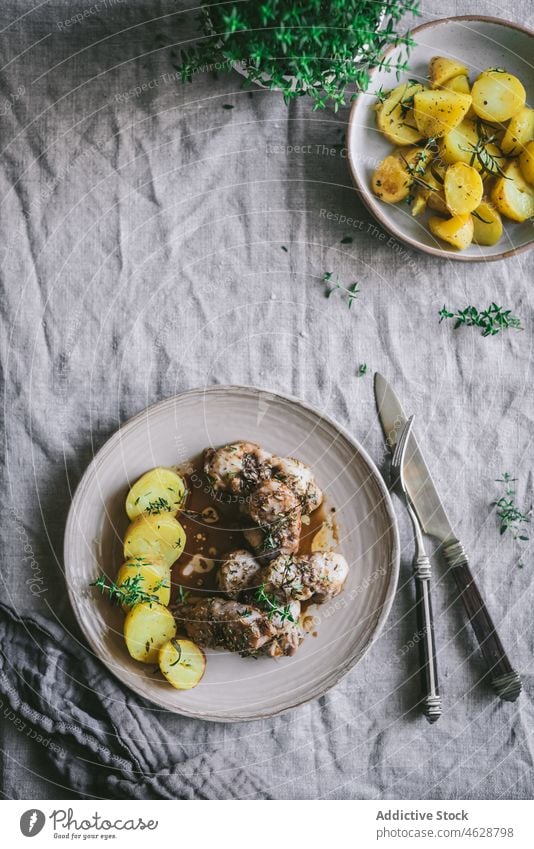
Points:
(109, 444)
(363, 191)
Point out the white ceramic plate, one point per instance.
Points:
(178, 429)
(480, 43)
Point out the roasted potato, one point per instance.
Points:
(459, 84)
(457, 146)
(182, 663)
(526, 162)
(394, 116)
(487, 224)
(512, 195)
(519, 132)
(497, 95)
(151, 576)
(391, 181)
(463, 188)
(441, 69)
(436, 113)
(160, 490)
(147, 628)
(456, 231)
(155, 536)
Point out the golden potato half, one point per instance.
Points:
(182, 663)
(147, 628)
(152, 577)
(160, 490)
(160, 537)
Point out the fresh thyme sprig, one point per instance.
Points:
(130, 592)
(510, 516)
(488, 161)
(491, 321)
(270, 603)
(332, 286)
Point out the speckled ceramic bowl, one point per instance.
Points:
(480, 43)
(178, 429)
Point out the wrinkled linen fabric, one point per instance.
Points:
(155, 240)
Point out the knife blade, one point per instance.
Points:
(435, 522)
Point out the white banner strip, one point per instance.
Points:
(324, 824)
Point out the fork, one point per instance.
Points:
(431, 699)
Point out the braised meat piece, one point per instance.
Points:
(319, 576)
(275, 509)
(281, 537)
(237, 468)
(300, 479)
(235, 626)
(238, 572)
(219, 623)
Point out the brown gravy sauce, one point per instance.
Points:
(214, 526)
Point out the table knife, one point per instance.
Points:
(435, 522)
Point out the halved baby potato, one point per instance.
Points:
(512, 195)
(436, 113)
(394, 117)
(160, 490)
(526, 162)
(147, 628)
(151, 576)
(497, 95)
(160, 536)
(182, 663)
(520, 130)
(458, 144)
(463, 188)
(456, 231)
(487, 224)
(459, 84)
(391, 181)
(442, 69)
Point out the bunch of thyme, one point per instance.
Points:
(321, 48)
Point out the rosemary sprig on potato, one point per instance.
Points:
(465, 153)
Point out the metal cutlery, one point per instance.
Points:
(435, 522)
(431, 700)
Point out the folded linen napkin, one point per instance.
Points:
(102, 735)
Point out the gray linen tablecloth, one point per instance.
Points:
(155, 240)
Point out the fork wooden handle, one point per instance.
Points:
(505, 680)
(431, 701)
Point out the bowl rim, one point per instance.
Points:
(141, 416)
(363, 191)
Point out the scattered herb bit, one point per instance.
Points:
(159, 505)
(128, 593)
(228, 106)
(271, 604)
(332, 286)
(182, 596)
(362, 369)
(346, 240)
(510, 516)
(284, 248)
(325, 50)
(491, 321)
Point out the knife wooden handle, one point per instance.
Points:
(431, 701)
(505, 680)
